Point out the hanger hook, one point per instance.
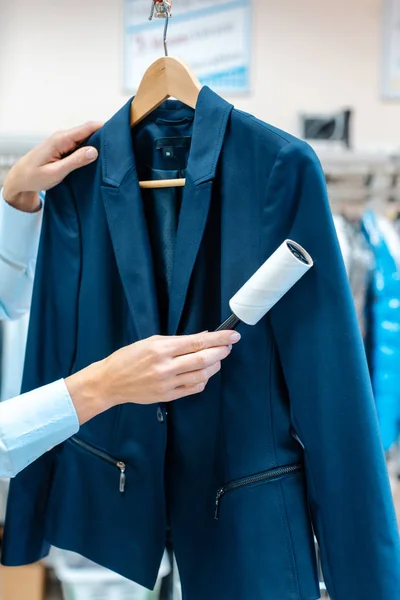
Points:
(162, 8)
(152, 10)
(166, 27)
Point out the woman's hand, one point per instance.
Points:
(47, 165)
(159, 369)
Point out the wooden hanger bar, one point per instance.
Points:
(162, 183)
(166, 78)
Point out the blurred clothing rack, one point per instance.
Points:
(361, 177)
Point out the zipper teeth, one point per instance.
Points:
(99, 453)
(261, 477)
(253, 479)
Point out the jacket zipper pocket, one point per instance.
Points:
(121, 466)
(259, 478)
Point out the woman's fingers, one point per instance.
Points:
(188, 344)
(199, 361)
(198, 377)
(80, 158)
(183, 392)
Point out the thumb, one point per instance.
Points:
(76, 160)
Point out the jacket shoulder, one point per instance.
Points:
(94, 140)
(82, 179)
(286, 145)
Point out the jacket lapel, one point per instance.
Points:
(211, 120)
(127, 224)
(125, 215)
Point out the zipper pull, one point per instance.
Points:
(122, 480)
(220, 493)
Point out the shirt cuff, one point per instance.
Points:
(33, 423)
(19, 249)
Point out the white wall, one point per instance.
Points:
(61, 63)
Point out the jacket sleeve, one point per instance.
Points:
(53, 323)
(331, 400)
(49, 357)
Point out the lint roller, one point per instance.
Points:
(283, 269)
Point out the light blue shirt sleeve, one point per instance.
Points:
(32, 424)
(19, 241)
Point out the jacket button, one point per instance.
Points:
(160, 416)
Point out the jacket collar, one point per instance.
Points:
(210, 120)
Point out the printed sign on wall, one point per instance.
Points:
(212, 36)
(391, 49)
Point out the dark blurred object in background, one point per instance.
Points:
(334, 127)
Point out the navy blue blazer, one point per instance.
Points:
(284, 441)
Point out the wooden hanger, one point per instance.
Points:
(167, 77)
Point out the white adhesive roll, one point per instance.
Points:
(271, 282)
